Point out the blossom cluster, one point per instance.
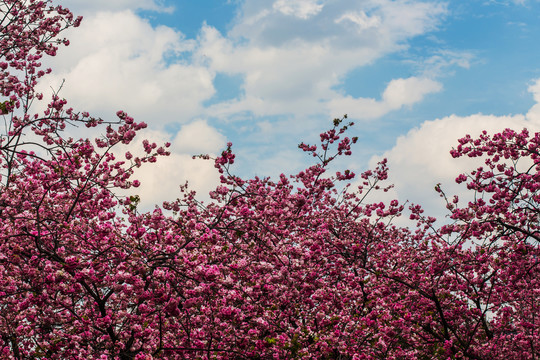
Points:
(302, 266)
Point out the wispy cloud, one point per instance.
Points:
(303, 9)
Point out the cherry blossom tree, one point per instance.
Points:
(302, 266)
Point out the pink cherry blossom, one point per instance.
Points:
(302, 266)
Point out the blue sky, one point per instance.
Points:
(266, 74)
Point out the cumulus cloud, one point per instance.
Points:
(284, 52)
(420, 159)
(398, 21)
(117, 60)
(398, 93)
(290, 55)
(160, 181)
(534, 113)
(289, 65)
(198, 138)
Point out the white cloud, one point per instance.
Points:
(160, 181)
(276, 80)
(302, 9)
(398, 93)
(405, 19)
(117, 60)
(534, 113)
(198, 138)
(288, 64)
(360, 19)
(534, 89)
(421, 159)
(291, 66)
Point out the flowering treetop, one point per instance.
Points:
(271, 268)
